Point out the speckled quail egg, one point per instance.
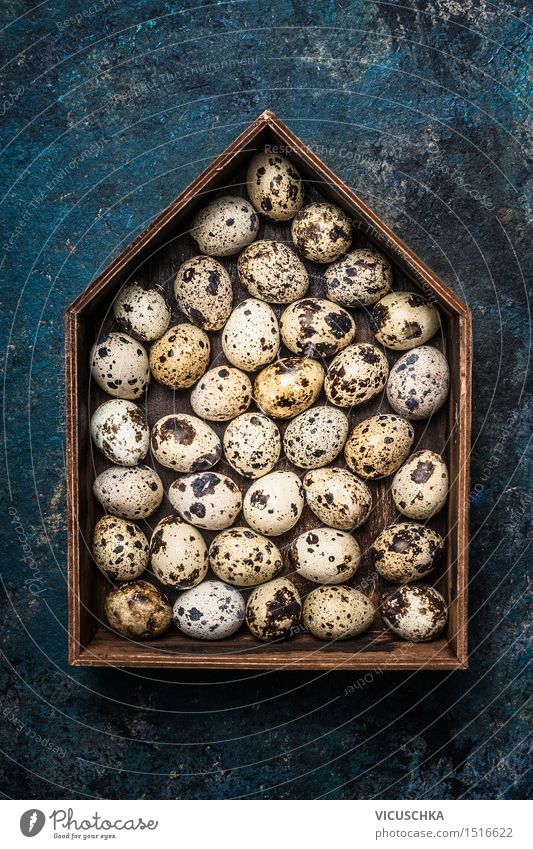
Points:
(321, 232)
(138, 610)
(119, 430)
(274, 186)
(288, 387)
(273, 609)
(316, 327)
(402, 320)
(203, 291)
(315, 437)
(325, 555)
(131, 493)
(222, 393)
(273, 504)
(420, 487)
(225, 226)
(252, 444)
(206, 499)
(119, 365)
(120, 549)
(337, 613)
(272, 272)
(418, 383)
(406, 552)
(142, 311)
(185, 443)
(181, 356)
(250, 339)
(337, 497)
(379, 445)
(242, 557)
(415, 612)
(178, 553)
(211, 611)
(356, 375)
(360, 278)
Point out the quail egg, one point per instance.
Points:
(338, 498)
(273, 609)
(119, 365)
(272, 272)
(315, 437)
(131, 493)
(402, 320)
(406, 552)
(252, 444)
(419, 383)
(420, 487)
(288, 387)
(358, 279)
(274, 186)
(322, 232)
(120, 549)
(138, 610)
(325, 556)
(185, 443)
(203, 291)
(211, 611)
(221, 394)
(273, 504)
(119, 430)
(178, 553)
(225, 226)
(181, 356)
(142, 311)
(206, 499)
(415, 612)
(316, 327)
(242, 557)
(379, 445)
(356, 375)
(337, 613)
(250, 339)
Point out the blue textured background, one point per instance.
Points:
(109, 109)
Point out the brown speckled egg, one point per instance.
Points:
(274, 186)
(288, 387)
(244, 558)
(252, 444)
(315, 437)
(131, 493)
(206, 499)
(337, 613)
(273, 504)
(316, 327)
(418, 383)
(181, 356)
(356, 375)
(272, 272)
(211, 611)
(119, 430)
(178, 553)
(185, 443)
(120, 549)
(415, 612)
(273, 609)
(420, 487)
(203, 291)
(325, 555)
(358, 279)
(406, 552)
(225, 226)
(119, 365)
(138, 610)
(250, 339)
(379, 445)
(222, 393)
(321, 232)
(402, 320)
(142, 311)
(338, 498)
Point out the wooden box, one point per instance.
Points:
(155, 256)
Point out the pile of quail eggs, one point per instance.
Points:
(282, 407)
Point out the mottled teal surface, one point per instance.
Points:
(109, 109)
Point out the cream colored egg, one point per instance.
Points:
(321, 232)
(288, 387)
(415, 612)
(315, 437)
(185, 443)
(274, 610)
(337, 613)
(244, 558)
(403, 320)
(316, 327)
(206, 499)
(178, 553)
(420, 487)
(419, 383)
(406, 552)
(120, 549)
(250, 339)
(252, 444)
(131, 493)
(337, 497)
(138, 611)
(211, 611)
(273, 504)
(225, 226)
(119, 430)
(325, 556)
(203, 291)
(142, 311)
(379, 445)
(272, 272)
(119, 365)
(358, 279)
(181, 356)
(274, 186)
(222, 393)
(356, 375)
